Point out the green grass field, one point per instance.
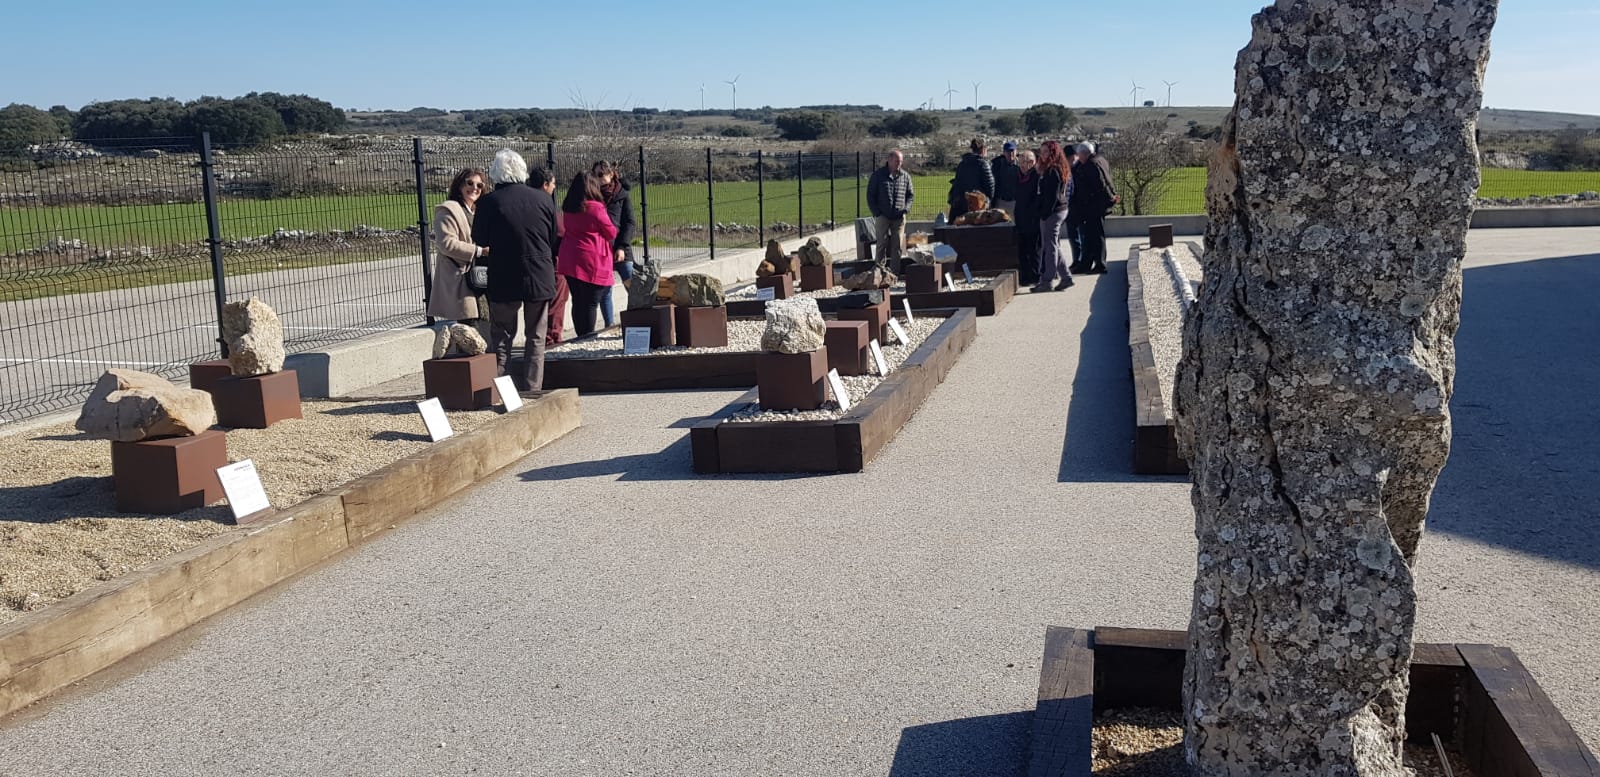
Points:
(102, 226)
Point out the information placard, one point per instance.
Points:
(905, 303)
(966, 269)
(636, 340)
(433, 416)
(877, 357)
(949, 282)
(899, 333)
(242, 484)
(508, 393)
(840, 395)
(766, 294)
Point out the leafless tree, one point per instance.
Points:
(1142, 159)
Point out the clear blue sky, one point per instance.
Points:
(624, 54)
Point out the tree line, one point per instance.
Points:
(255, 118)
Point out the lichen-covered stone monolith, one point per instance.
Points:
(1312, 398)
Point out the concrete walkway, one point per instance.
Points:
(598, 610)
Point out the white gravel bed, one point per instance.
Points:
(60, 531)
(742, 336)
(859, 386)
(749, 292)
(1164, 309)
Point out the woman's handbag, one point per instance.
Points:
(478, 278)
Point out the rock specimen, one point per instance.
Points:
(878, 277)
(977, 201)
(776, 262)
(932, 253)
(794, 325)
(813, 254)
(666, 289)
(860, 299)
(642, 286)
(982, 218)
(458, 340)
(254, 337)
(129, 406)
(696, 290)
(1312, 398)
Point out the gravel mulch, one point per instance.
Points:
(1164, 310)
(742, 336)
(1149, 743)
(60, 531)
(859, 386)
(749, 292)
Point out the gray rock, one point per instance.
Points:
(1313, 392)
(794, 325)
(813, 254)
(860, 299)
(877, 277)
(129, 406)
(458, 340)
(697, 290)
(254, 337)
(642, 286)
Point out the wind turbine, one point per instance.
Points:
(735, 84)
(948, 90)
(1136, 89)
(975, 85)
(1169, 84)
(702, 97)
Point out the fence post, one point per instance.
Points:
(833, 215)
(761, 202)
(422, 227)
(550, 157)
(208, 189)
(644, 206)
(858, 184)
(800, 183)
(711, 207)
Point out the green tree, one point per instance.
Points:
(24, 125)
(803, 125)
(116, 122)
(1047, 118)
(907, 124)
(301, 113)
(525, 123)
(63, 116)
(1006, 125)
(243, 121)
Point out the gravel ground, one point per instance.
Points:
(749, 292)
(1149, 743)
(1164, 310)
(859, 386)
(742, 336)
(60, 531)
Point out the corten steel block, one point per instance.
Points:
(658, 318)
(258, 401)
(168, 475)
(792, 381)
(847, 346)
(461, 382)
(782, 285)
(991, 248)
(816, 277)
(925, 278)
(701, 327)
(876, 316)
(1160, 235)
(204, 375)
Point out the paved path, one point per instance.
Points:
(598, 610)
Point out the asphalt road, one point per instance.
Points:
(597, 609)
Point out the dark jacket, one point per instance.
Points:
(620, 206)
(1005, 178)
(1028, 201)
(1092, 189)
(973, 174)
(889, 196)
(1052, 194)
(518, 224)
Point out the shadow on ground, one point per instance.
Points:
(80, 496)
(991, 745)
(1524, 470)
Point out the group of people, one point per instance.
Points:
(538, 255)
(1048, 194)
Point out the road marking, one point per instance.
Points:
(379, 304)
(86, 361)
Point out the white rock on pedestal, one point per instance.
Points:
(793, 326)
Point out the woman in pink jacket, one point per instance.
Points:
(585, 258)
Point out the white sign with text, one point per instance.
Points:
(877, 356)
(242, 484)
(899, 333)
(766, 294)
(949, 282)
(508, 393)
(433, 416)
(841, 396)
(966, 269)
(635, 341)
(905, 303)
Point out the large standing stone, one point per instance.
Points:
(129, 406)
(254, 337)
(1312, 396)
(697, 290)
(642, 286)
(794, 325)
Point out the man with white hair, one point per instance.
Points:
(889, 196)
(1089, 198)
(518, 224)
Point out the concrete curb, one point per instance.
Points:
(1155, 440)
(45, 651)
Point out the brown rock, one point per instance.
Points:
(813, 254)
(977, 201)
(698, 290)
(129, 406)
(665, 289)
(878, 277)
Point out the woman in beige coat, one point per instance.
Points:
(454, 250)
